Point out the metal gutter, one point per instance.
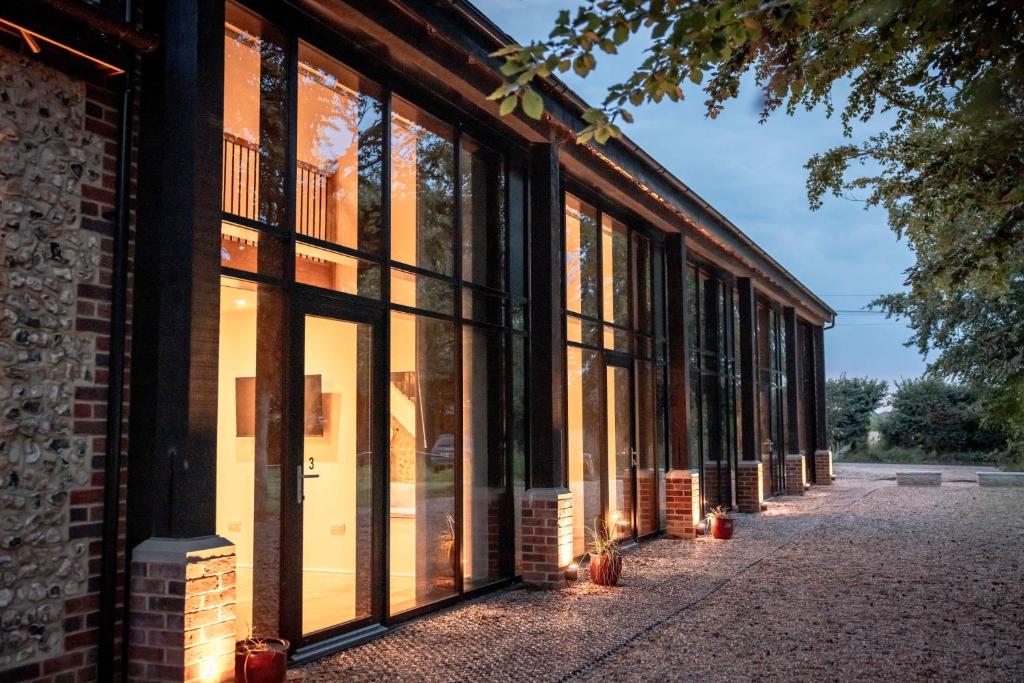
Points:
(499, 38)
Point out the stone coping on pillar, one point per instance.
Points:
(795, 456)
(682, 474)
(749, 463)
(173, 549)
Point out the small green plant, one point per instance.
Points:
(601, 541)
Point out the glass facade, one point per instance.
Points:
(372, 393)
(615, 375)
(373, 350)
(715, 420)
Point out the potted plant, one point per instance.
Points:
(605, 555)
(721, 523)
(261, 660)
(447, 538)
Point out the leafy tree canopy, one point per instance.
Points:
(849, 404)
(937, 416)
(950, 171)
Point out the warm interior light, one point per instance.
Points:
(31, 37)
(240, 303)
(208, 669)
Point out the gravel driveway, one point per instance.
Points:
(859, 581)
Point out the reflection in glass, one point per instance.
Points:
(647, 469)
(581, 266)
(339, 272)
(255, 119)
(620, 453)
(484, 494)
(249, 446)
(340, 147)
(483, 215)
(337, 461)
(584, 441)
(422, 190)
(615, 270)
(423, 557)
(422, 291)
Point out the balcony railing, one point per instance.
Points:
(240, 189)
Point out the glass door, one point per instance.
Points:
(333, 534)
(622, 455)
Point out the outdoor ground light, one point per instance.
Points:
(702, 526)
(572, 572)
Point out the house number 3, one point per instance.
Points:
(312, 463)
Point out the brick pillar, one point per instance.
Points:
(182, 610)
(547, 537)
(749, 478)
(682, 503)
(822, 467)
(796, 475)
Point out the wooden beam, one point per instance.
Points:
(547, 336)
(748, 367)
(678, 354)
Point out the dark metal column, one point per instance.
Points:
(748, 385)
(678, 355)
(792, 382)
(547, 336)
(819, 389)
(172, 471)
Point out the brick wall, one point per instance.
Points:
(822, 467)
(682, 503)
(749, 486)
(796, 475)
(182, 610)
(547, 537)
(58, 178)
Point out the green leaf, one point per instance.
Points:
(507, 105)
(533, 105)
(593, 115)
(696, 75)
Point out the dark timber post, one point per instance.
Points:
(749, 493)
(547, 505)
(172, 467)
(796, 470)
(682, 484)
(822, 455)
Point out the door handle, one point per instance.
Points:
(632, 453)
(300, 493)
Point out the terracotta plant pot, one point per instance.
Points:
(605, 570)
(721, 527)
(261, 665)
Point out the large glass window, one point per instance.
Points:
(615, 369)
(422, 190)
(771, 380)
(423, 398)
(435, 255)
(584, 425)
(712, 335)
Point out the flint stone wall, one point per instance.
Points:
(47, 157)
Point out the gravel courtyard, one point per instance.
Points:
(858, 581)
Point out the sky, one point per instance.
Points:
(753, 173)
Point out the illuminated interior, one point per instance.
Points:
(447, 346)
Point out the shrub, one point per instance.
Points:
(938, 416)
(849, 404)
